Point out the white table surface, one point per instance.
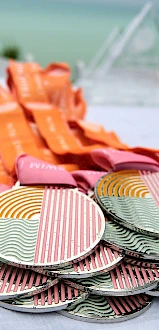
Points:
(135, 126)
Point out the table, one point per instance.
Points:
(135, 126)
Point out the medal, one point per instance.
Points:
(131, 198)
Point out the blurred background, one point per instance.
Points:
(87, 34)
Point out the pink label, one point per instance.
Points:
(87, 179)
(31, 170)
(3, 187)
(121, 160)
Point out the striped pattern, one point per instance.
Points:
(131, 198)
(15, 282)
(152, 182)
(70, 225)
(131, 243)
(108, 309)
(140, 263)
(123, 280)
(59, 293)
(57, 297)
(57, 225)
(101, 260)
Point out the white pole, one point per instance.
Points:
(98, 56)
(119, 46)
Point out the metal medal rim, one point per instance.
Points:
(154, 293)
(126, 251)
(142, 257)
(9, 304)
(30, 292)
(118, 219)
(87, 274)
(81, 256)
(105, 286)
(106, 320)
(95, 289)
(124, 292)
(140, 262)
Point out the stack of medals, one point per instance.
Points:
(79, 231)
(94, 258)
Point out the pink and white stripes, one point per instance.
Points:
(70, 225)
(152, 182)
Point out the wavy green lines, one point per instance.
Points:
(95, 306)
(139, 213)
(100, 282)
(18, 239)
(131, 241)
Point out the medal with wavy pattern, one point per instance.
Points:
(131, 243)
(57, 297)
(48, 227)
(132, 199)
(15, 282)
(102, 259)
(18, 239)
(102, 309)
(125, 279)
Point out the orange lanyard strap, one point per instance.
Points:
(19, 69)
(22, 68)
(48, 97)
(5, 178)
(56, 76)
(32, 96)
(54, 129)
(79, 133)
(51, 85)
(47, 155)
(80, 107)
(15, 135)
(98, 133)
(29, 88)
(5, 96)
(57, 83)
(59, 89)
(56, 132)
(64, 100)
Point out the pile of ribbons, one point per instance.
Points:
(43, 116)
(79, 209)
